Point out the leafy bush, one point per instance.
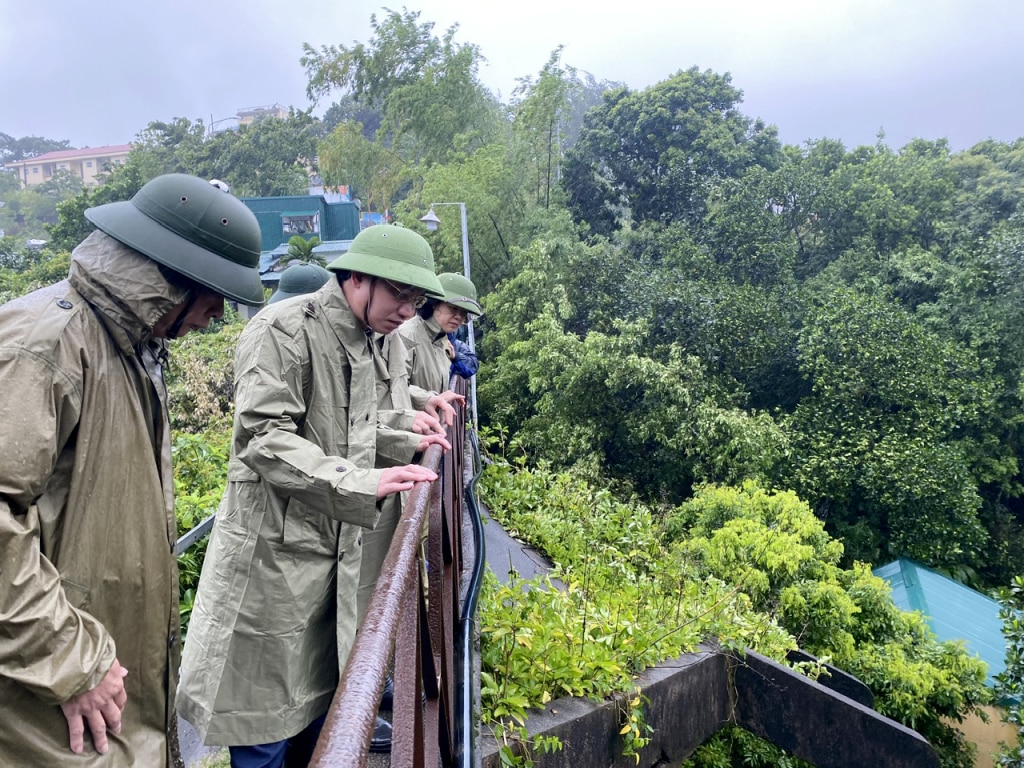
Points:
(749, 567)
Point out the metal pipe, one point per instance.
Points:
(465, 724)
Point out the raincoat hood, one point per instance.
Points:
(127, 288)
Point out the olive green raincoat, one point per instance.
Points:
(429, 363)
(276, 611)
(87, 530)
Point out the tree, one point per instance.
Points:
(427, 89)
(878, 445)
(371, 169)
(12, 149)
(301, 250)
(653, 154)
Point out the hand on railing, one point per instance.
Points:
(441, 404)
(397, 479)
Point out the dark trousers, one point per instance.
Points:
(288, 753)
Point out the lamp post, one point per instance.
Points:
(209, 130)
(433, 222)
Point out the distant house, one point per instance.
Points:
(956, 612)
(250, 115)
(335, 222)
(86, 164)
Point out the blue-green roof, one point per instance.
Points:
(954, 611)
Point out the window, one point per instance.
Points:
(300, 223)
(63, 166)
(88, 163)
(35, 169)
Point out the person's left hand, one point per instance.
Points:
(426, 424)
(429, 440)
(441, 404)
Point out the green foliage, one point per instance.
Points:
(426, 88)
(879, 438)
(200, 381)
(1009, 689)
(651, 155)
(200, 391)
(300, 249)
(750, 567)
(30, 270)
(655, 422)
(200, 472)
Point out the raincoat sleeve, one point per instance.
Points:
(270, 403)
(465, 363)
(46, 644)
(420, 396)
(395, 447)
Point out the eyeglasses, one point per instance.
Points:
(412, 296)
(457, 311)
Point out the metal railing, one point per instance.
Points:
(425, 626)
(432, 635)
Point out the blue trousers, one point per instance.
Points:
(287, 753)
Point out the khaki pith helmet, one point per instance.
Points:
(298, 280)
(394, 253)
(193, 228)
(460, 292)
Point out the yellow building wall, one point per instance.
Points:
(987, 735)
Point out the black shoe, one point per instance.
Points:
(387, 696)
(381, 741)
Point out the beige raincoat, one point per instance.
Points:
(276, 611)
(429, 363)
(87, 530)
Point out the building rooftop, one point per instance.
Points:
(70, 154)
(954, 611)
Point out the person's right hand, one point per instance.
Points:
(396, 479)
(99, 708)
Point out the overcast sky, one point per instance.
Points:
(96, 73)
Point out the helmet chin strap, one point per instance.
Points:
(366, 307)
(175, 329)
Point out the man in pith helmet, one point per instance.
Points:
(299, 279)
(88, 579)
(277, 606)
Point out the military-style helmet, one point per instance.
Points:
(394, 253)
(299, 279)
(460, 292)
(193, 228)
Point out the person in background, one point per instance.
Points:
(89, 615)
(431, 352)
(299, 279)
(312, 458)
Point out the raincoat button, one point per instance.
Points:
(339, 469)
(65, 304)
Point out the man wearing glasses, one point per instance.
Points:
(276, 611)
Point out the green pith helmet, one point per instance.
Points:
(460, 292)
(193, 228)
(394, 253)
(298, 279)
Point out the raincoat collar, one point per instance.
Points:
(434, 327)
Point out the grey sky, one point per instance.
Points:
(97, 72)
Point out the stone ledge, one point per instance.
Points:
(696, 694)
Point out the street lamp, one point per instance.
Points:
(433, 222)
(209, 130)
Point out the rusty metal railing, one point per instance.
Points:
(419, 622)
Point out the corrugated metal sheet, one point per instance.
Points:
(954, 611)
